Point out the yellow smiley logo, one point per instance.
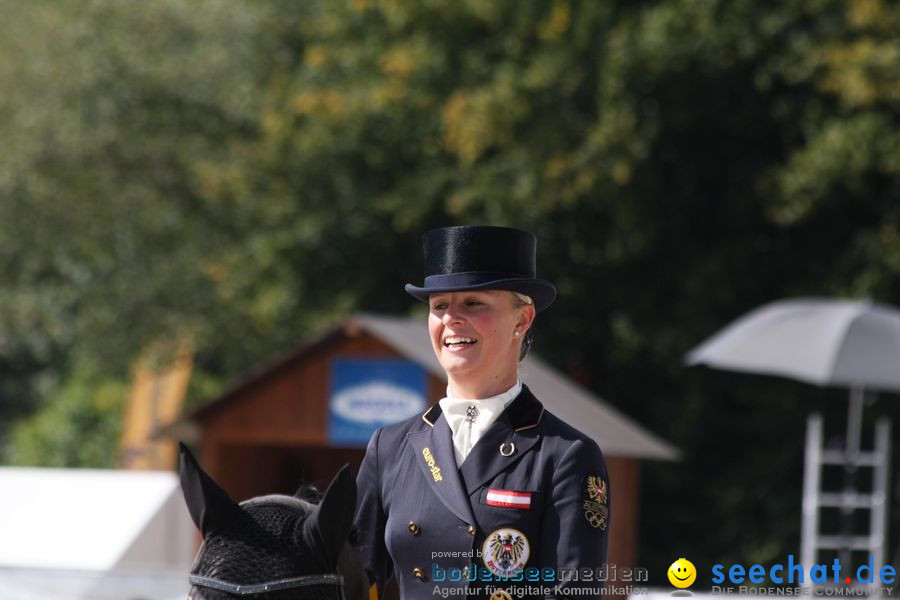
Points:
(682, 573)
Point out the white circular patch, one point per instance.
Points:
(505, 552)
(376, 402)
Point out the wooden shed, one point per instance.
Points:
(284, 424)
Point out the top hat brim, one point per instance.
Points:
(541, 291)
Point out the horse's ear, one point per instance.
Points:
(210, 506)
(331, 520)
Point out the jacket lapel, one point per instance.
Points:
(433, 447)
(512, 435)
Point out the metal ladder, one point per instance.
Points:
(850, 499)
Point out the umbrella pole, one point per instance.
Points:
(854, 424)
(851, 462)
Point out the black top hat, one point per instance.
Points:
(482, 257)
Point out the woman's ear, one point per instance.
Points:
(526, 318)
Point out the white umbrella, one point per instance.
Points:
(822, 341)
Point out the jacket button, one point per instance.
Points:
(414, 528)
(419, 574)
(471, 530)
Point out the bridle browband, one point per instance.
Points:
(243, 589)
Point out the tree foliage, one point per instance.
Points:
(250, 173)
(80, 427)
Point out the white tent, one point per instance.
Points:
(93, 534)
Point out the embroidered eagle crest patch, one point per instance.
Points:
(505, 552)
(596, 489)
(595, 502)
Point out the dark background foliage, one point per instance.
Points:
(248, 174)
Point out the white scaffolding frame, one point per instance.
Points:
(850, 499)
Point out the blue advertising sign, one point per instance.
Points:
(369, 393)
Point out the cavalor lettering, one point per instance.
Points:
(429, 460)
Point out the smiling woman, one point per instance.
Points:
(467, 334)
(486, 476)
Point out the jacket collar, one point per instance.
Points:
(512, 435)
(523, 413)
(433, 449)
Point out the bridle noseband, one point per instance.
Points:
(244, 589)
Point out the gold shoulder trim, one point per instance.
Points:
(535, 424)
(427, 413)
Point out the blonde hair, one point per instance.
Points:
(523, 299)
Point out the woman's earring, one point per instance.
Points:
(517, 333)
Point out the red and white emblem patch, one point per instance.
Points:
(508, 498)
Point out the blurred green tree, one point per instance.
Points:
(251, 173)
(79, 427)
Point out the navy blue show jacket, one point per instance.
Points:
(528, 509)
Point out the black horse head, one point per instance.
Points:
(272, 547)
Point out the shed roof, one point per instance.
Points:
(617, 434)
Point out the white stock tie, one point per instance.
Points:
(470, 419)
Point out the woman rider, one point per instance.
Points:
(486, 490)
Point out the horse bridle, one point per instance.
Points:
(245, 589)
